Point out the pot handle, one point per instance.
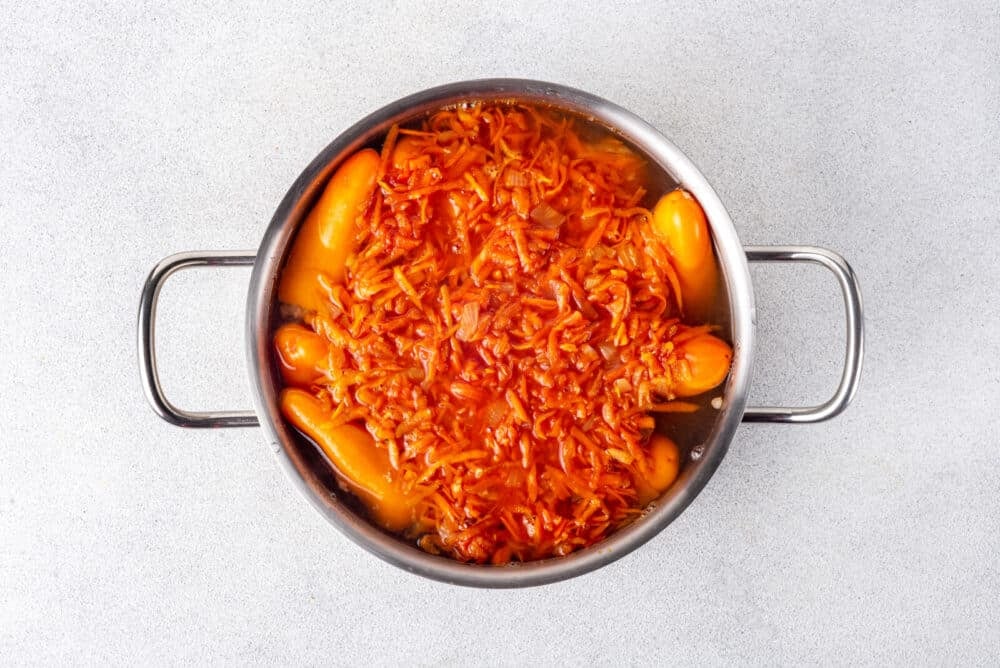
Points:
(851, 374)
(147, 340)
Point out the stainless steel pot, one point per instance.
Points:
(312, 476)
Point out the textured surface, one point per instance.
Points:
(130, 133)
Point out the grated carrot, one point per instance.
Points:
(506, 330)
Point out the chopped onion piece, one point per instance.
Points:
(546, 216)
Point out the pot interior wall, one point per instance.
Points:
(704, 441)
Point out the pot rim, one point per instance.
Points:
(261, 312)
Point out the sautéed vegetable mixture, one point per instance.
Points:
(485, 319)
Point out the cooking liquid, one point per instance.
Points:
(688, 430)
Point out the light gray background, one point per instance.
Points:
(131, 132)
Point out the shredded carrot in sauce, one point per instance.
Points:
(508, 327)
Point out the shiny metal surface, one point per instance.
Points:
(262, 305)
(851, 375)
(148, 371)
(312, 476)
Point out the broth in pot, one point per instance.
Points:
(503, 327)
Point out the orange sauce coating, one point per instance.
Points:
(497, 323)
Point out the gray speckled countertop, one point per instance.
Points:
(130, 133)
